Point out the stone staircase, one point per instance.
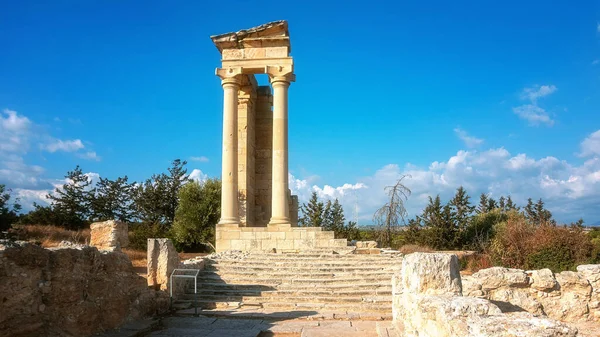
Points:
(314, 281)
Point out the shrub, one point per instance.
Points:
(521, 244)
(140, 232)
(197, 214)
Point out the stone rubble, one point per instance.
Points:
(428, 301)
(70, 292)
(567, 296)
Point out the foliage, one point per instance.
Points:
(389, 216)
(8, 213)
(111, 199)
(197, 213)
(519, 243)
(71, 202)
(312, 214)
(140, 232)
(334, 219)
(155, 200)
(480, 229)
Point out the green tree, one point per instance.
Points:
(543, 215)
(510, 206)
(156, 199)
(529, 212)
(502, 203)
(351, 231)
(197, 213)
(462, 210)
(483, 204)
(312, 213)
(111, 199)
(327, 221)
(389, 216)
(8, 214)
(492, 205)
(337, 219)
(72, 200)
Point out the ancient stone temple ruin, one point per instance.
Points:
(258, 211)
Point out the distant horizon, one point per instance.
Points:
(502, 99)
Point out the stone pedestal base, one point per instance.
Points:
(278, 237)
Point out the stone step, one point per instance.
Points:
(296, 316)
(243, 274)
(383, 307)
(286, 286)
(286, 293)
(265, 269)
(299, 261)
(290, 298)
(293, 283)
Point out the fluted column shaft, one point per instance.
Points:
(229, 174)
(280, 185)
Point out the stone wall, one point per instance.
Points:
(278, 237)
(264, 153)
(427, 302)
(110, 235)
(246, 150)
(70, 292)
(567, 296)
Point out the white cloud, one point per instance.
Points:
(537, 91)
(470, 141)
(570, 191)
(533, 114)
(90, 155)
(63, 145)
(591, 145)
(14, 132)
(201, 159)
(198, 175)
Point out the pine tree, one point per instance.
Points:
(8, 215)
(502, 203)
(312, 213)
(111, 199)
(462, 211)
(510, 206)
(543, 216)
(529, 212)
(337, 218)
(492, 205)
(72, 200)
(483, 204)
(327, 221)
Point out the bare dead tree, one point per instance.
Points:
(389, 216)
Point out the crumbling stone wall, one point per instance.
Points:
(567, 296)
(427, 302)
(70, 291)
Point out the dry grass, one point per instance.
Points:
(51, 236)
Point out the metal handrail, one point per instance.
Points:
(194, 276)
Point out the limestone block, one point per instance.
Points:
(268, 244)
(293, 235)
(276, 52)
(471, 287)
(228, 235)
(366, 244)
(285, 244)
(543, 279)
(592, 273)
(431, 274)
(162, 259)
(496, 277)
(232, 54)
(222, 245)
(254, 53)
(111, 234)
(325, 235)
(515, 299)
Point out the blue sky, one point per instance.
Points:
(502, 98)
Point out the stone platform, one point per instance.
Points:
(279, 238)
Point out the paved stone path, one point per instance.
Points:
(230, 327)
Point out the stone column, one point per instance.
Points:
(229, 172)
(279, 201)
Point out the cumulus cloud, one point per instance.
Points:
(533, 113)
(201, 159)
(90, 155)
(591, 145)
(63, 145)
(14, 132)
(470, 141)
(570, 191)
(198, 175)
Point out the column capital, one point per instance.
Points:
(230, 75)
(280, 74)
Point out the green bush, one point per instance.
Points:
(556, 259)
(197, 214)
(140, 232)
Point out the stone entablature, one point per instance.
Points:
(279, 237)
